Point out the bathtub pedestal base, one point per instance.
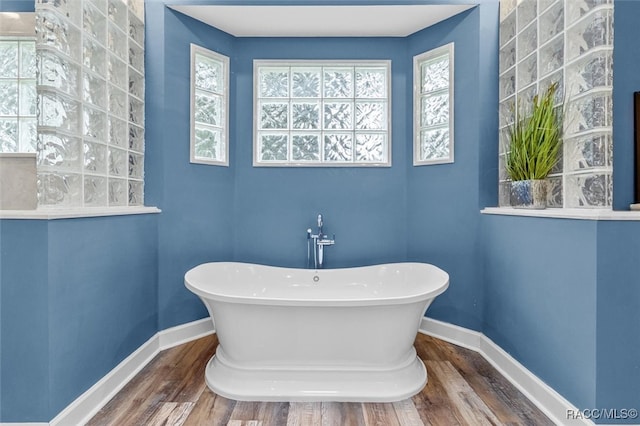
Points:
(310, 384)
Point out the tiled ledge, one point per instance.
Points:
(57, 213)
(584, 214)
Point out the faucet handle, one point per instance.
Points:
(319, 221)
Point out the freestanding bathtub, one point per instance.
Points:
(316, 335)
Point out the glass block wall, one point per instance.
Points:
(90, 102)
(569, 42)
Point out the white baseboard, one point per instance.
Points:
(89, 403)
(550, 402)
(96, 397)
(451, 333)
(24, 424)
(184, 333)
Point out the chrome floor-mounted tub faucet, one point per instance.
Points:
(319, 241)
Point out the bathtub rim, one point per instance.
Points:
(279, 301)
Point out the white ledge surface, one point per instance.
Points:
(584, 214)
(59, 213)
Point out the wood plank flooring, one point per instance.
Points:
(463, 389)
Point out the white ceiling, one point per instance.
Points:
(321, 21)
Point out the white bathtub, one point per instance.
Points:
(316, 335)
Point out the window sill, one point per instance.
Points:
(581, 214)
(72, 213)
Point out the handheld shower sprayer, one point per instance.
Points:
(309, 248)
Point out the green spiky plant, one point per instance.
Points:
(535, 138)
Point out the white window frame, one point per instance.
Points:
(19, 27)
(418, 60)
(257, 64)
(19, 80)
(224, 60)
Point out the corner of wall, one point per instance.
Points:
(195, 198)
(443, 218)
(154, 98)
(488, 45)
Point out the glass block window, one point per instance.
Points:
(90, 89)
(569, 42)
(17, 94)
(433, 106)
(209, 106)
(322, 113)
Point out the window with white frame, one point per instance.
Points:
(209, 107)
(17, 94)
(322, 113)
(433, 106)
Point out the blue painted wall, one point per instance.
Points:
(273, 207)
(67, 319)
(443, 200)
(361, 206)
(618, 314)
(25, 334)
(22, 246)
(262, 213)
(78, 296)
(541, 298)
(17, 6)
(566, 304)
(102, 298)
(626, 59)
(196, 224)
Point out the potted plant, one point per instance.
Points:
(535, 140)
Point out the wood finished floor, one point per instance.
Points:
(463, 389)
